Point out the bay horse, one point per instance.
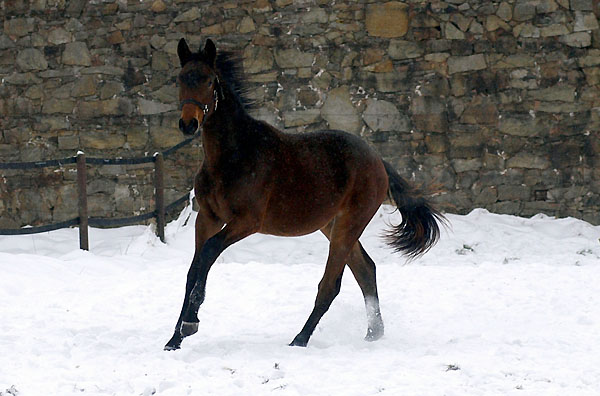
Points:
(257, 179)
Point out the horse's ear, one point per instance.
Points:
(184, 52)
(210, 52)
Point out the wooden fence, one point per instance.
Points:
(83, 220)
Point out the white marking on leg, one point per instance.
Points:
(373, 313)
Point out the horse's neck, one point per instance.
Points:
(225, 131)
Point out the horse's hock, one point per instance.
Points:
(498, 101)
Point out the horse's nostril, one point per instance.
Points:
(193, 126)
(190, 128)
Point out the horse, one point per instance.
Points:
(257, 179)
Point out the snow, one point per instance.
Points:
(500, 306)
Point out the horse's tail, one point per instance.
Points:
(419, 229)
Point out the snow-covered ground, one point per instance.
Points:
(501, 306)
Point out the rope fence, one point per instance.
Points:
(83, 220)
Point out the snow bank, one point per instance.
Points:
(502, 305)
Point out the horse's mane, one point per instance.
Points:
(229, 68)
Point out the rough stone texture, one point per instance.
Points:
(496, 102)
(339, 112)
(381, 115)
(387, 19)
(460, 64)
(31, 59)
(76, 54)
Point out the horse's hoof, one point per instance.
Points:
(189, 328)
(374, 334)
(174, 343)
(299, 341)
(172, 347)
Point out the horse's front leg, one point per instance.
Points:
(206, 226)
(188, 321)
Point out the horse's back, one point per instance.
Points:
(320, 175)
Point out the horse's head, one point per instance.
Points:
(197, 85)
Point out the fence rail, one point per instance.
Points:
(83, 220)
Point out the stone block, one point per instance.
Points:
(293, 58)
(459, 64)
(524, 10)
(188, 16)
(582, 5)
(158, 6)
(84, 86)
(301, 117)
(493, 23)
(164, 137)
(591, 58)
(137, 137)
(76, 53)
(546, 6)
(506, 207)
(160, 61)
(481, 110)
(513, 61)
(18, 26)
(466, 165)
(554, 30)
(257, 59)
(150, 107)
(246, 25)
(528, 161)
(261, 6)
(513, 193)
(436, 143)
(339, 112)
(504, 11)
(403, 49)
(58, 106)
(592, 75)
(451, 32)
(381, 115)
(59, 36)
(517, 125)
(429, 114)
(101, 140)
(31, 59)
(389, 82)
(100, 108)
(578, 40)
(110, 89)
(315, 15)
(487, 195)
(115, 37)
(585, 21)
(559, 93)
(387, 20)
(68, 142)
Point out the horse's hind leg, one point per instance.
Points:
(329, 288)
(343, 236)
(363, 269)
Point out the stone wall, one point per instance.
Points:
(496, 103)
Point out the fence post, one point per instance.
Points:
(159, 186)
(82, 201)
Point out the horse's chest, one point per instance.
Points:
(226, 192)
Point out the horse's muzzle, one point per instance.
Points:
(189, 128)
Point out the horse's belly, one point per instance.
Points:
(301, 216)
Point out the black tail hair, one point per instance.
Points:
(419, 229)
